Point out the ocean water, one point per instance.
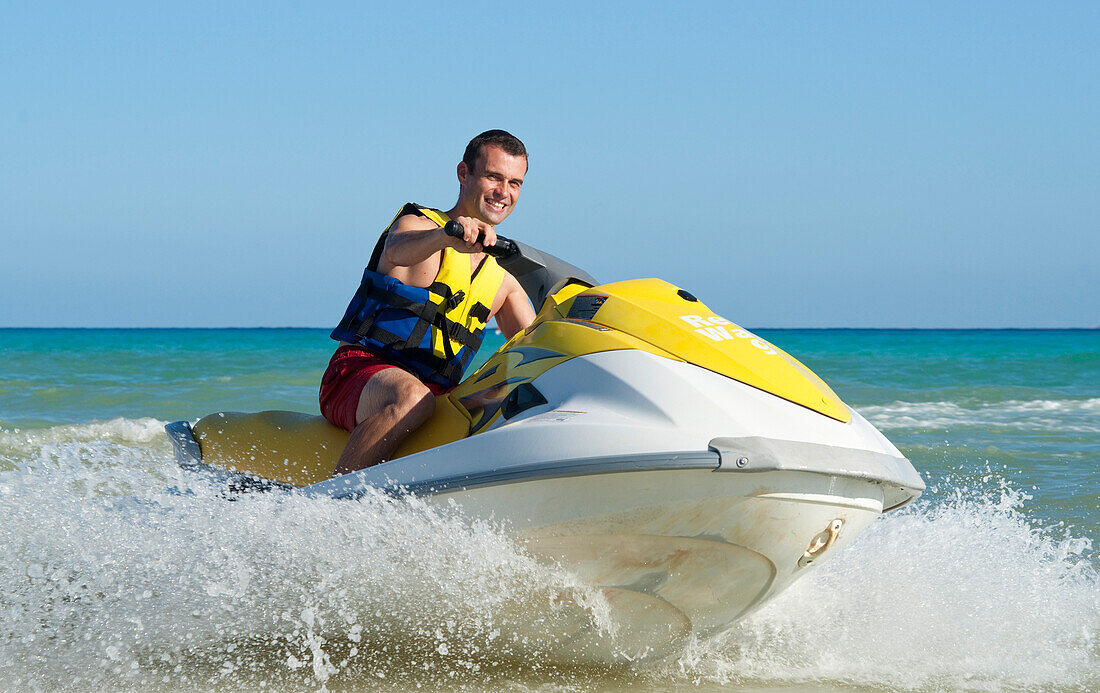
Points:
(120, 571)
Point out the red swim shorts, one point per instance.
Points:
(349, 369)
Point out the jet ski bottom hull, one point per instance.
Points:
(675, 552)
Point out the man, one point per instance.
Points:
(416, 319)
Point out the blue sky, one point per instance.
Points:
(792, 164)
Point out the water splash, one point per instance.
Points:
(960, 593)
(121, 571)
(112, 576)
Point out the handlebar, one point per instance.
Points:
(504, 247)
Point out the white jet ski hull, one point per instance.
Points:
(688, 498)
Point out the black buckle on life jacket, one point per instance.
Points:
(458, 332)
(480, 311)
(455, 300)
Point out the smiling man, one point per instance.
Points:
(417, 317)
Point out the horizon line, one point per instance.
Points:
(300, 327)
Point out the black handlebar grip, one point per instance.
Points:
(503, 247)
(453, 228)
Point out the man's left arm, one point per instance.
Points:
(515, 312)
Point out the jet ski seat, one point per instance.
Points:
(302, 449)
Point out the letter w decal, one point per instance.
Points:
(716, 332)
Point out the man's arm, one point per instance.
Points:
(411, 240)
(411, 254)
(514, 313)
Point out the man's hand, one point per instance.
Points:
(472, 231)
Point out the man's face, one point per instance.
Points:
(490, 191)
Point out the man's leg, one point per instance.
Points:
(392, 405)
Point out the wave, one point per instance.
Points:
(131, 443)
(122, 571)
(961, 595)
(143, 430)
(113, 577)
(1068, 415)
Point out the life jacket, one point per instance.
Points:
(432, 332)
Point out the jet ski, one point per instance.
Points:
(682, 465)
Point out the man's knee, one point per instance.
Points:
(396, 395)
(411, 399)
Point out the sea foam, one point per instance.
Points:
(1065, 415)
(955, 593)
(113, 575)
(120, 570)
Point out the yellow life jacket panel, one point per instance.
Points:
(433, 332)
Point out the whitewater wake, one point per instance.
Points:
(120, 570)
(1065, 415)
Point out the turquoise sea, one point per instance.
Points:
(118, 571)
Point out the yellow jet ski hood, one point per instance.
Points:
(677, 325)
(670, 320)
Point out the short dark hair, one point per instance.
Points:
(500, 138)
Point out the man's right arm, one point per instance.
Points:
(410, 241)
(411, 253)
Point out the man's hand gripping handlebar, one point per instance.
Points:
(502, 248)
